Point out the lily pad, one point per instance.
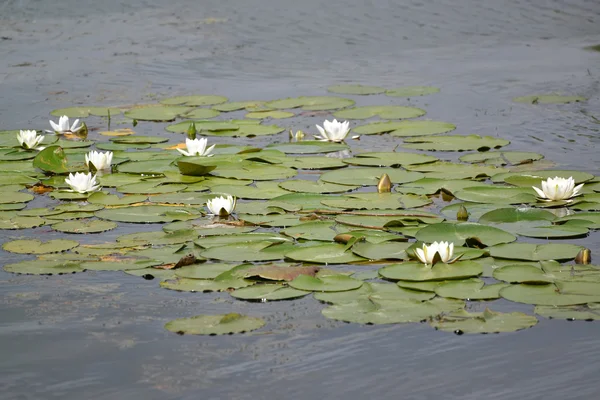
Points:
(156, 112)
(582, 312)
(268, 292)
(331, 283)
(311, 103)
(470, 289)
(355, 89)
(455, 143)
(483, 322)
(248, 251)
(384, 112)
(374, 291)
(275, 114)
(368, 176)
(463, 233)
(388, 159)
(34, 246)
(225, 324)
(331, 253)
(535, 252)
(89, 226)
(306, 186)
(148, 214)
(367, 311)
(557, 294)
(549, 99)
(194, 100)
(308, 147)
(416, 271)
(38, 267)
(500, 158)
(412, 91)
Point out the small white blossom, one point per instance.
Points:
(558, 189)
(333, 131)
(82, 183)
(30, 140)
(99, 160)
(222, 206)
(427, 253)
(197, 147)
(63, 126)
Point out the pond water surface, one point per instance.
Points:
(100, 335)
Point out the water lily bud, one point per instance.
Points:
(191, 132)
(385, 184)
(299, 136)
(83, 132)
(343, 238)
(584, 257)
(462, 214)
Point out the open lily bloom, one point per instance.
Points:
(63, 126)
(222, 206)
(30, 140)
(99, 160)
(427, 253)
(82, 183)
(558, 189)
(333, 131)
(197, 147)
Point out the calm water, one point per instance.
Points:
(100, 336)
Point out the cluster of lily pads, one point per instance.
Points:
(380, 236)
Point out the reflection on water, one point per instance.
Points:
(100, 336)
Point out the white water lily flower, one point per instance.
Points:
(30, 140)
(82, 183)
(558, 189)
(333, 131)
(427, 253)
(99, 160)
(222, 206)
(63, 126)
(197, 147)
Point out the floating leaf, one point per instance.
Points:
(307, 147)
(412, 91)
(311, 103)
(306, 186)
(483, 322)
(268, 292)
(249, 251)
(330, 283)
(355, 89)
(37, 267)
(384, 112)
(549, 99)
(194, 100)
(535, 252)
(583, 312)
(52, 159)
(374, 291)
(89, 226)
(34, 246)
(275, 114)
(388, 159)
(500, 158)
(464, 233)
(416, 271)
(557, 294)
(148, 214)
(331, 253)
(470, 289)
(121, 265)
(368, 176)
(214, 324)
(455, 143)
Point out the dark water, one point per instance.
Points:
(100, 336)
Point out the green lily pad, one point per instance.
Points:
(368, 311)
(535, 252)
(238, 105)
(255, 170)
(203, 271)
(89, 226)
(15, 197)
(34, 246)
(501, 158)
(455, 143)
(122, 265)
(462, 233)
(37, 267)
(416, 271)
(139, 139)
(275, 114)
(497, 194)
(52, 159)
(248, 251)
(314, 230)
(224, 324)
(268, 292)
(222, 240)
(557, 294)
(470, 289)
(271, 220)
(331, 283)
(581, 312)
(405, 128)
(375, 291)
(549, 99)
(488, 321)
(114, 200)
(448, 170)
(368, 176)
(194, 100)
(156, 112)
(546, 272)
(311, 103)
(412, 91)
(313, 162)
(202, 113)
(355, 89)
(384, 112)
(205, 285)
(307, 147)
(330, 253)
(148, 214)
(306, 186)
(388, 159)
(21, 222)
(372, 201)
(427, 186)
(260, 191)
(381, 251)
